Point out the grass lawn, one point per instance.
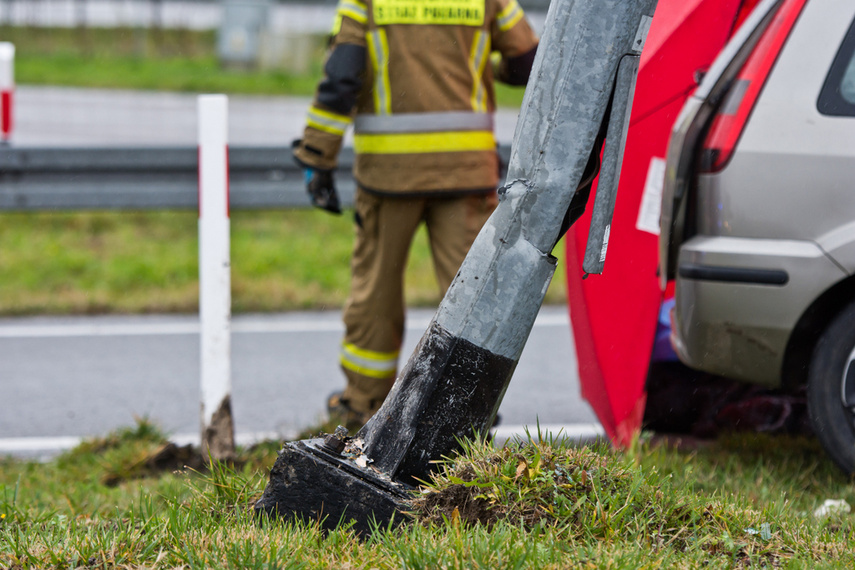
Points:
(147, 262)
(162, 60)
(739, 502)
(138, 262)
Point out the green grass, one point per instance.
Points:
(109, 262)
(743, 501)
(162, 60)
(145, 262)
(122, 58)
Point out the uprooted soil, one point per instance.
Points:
(167, 458)
(470, 507)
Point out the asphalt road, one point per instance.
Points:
(71, 116)
(64, 378)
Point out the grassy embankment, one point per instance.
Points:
(737, 503)
(146, 261)
(741, 501)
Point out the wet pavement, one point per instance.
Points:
(84, 376)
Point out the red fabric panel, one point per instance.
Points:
(614, 315)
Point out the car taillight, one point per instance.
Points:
(731, 117)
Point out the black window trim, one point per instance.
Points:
(831, 101)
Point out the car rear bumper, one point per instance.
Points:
(738, 300)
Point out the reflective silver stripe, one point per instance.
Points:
(378, 47)
(510, 16)
(353, 9)
(368, 362)
(328, 122)
(424, 122)
(479, 55)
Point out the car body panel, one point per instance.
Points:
(839, 244)
(740, 329)
(688, 130)
(784, 203)
(787, 147)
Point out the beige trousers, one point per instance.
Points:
(374, 312)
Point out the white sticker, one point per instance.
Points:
(651, 200)
(605, 243)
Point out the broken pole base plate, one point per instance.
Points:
(309, 483)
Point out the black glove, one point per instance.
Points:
(321, 189)
(319, 183)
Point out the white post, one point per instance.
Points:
(7, 88)
(215, 278)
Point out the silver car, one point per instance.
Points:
(758, 213)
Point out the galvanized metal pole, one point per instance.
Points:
(215, 279)
(607, 185)
(7, 89)
(453, 384)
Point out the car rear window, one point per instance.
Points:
(837, 97)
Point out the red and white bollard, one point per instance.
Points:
(215, 278)
(7, 88)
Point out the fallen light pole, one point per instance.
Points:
(454, 382)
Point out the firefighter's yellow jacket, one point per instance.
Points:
(415, 79)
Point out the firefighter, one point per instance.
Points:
(415, 79)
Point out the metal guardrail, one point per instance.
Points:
(146, 178)
(154, 178)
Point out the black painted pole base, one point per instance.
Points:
(314, 484)
(449, 391)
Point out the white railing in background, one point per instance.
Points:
(215, 301)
